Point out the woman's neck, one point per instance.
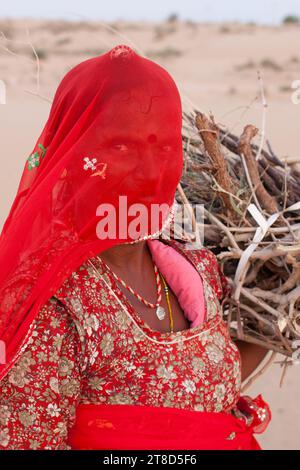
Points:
(129, 256)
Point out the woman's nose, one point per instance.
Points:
(149, 167)
(152, 170)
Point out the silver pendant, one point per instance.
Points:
(160, 313)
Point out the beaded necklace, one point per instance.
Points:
(160, 311)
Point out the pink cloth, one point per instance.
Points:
(183, 279)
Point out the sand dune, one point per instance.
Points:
(215, 67)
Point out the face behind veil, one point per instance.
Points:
(113, 134)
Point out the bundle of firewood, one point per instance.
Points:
(251, 203)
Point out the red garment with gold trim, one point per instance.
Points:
(86, 351)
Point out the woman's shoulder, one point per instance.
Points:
(200, 255)
(74, 285)
(71, 298)
(206, 262)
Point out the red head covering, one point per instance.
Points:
(114, 129)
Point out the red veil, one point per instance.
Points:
(114, 129)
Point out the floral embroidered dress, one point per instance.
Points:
(89, 346)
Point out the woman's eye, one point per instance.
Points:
(121, 147)
(167, 148)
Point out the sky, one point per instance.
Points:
(259, 11)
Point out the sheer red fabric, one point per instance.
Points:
(114, 130)
(129, 427)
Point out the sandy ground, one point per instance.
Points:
(215, 68)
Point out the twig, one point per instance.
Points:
(264, 114)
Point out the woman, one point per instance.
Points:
(114, 338)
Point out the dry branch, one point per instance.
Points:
(222, 172)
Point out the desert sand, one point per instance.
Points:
(215, 67)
